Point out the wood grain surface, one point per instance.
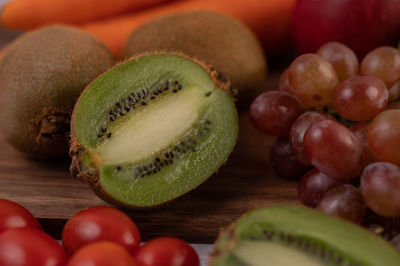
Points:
(244, 183)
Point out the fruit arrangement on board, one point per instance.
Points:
(144, 97)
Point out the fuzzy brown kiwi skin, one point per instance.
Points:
(216, 39)
(79, 171)
(42, 73)
(229, 235)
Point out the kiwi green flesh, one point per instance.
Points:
(156, 130)
(165, 148)
(261, 253)
(328, 240)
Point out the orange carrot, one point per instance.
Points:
(30, 14)
(269, 20)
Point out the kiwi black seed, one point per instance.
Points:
(219, 40)
(294, 235)
(151, 129)
(42, 73)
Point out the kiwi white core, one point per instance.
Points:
(261, 253)
(151, 129)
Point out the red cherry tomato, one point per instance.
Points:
(27, 247)
(13, 215)
(166, 251)
(102, 253)
(97, 224)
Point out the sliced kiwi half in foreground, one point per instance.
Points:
(294, 235)
(151, 129)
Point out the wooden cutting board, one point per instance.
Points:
(244, 183)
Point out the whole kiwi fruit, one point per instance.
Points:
(293, 235)
(42, 73)
(216, 39)
(152, 129)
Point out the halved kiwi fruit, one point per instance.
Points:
(294, 235)
(151, 129)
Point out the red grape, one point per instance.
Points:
(333, 149)
(384, 136)
(299, 127)
(313, 81)
(387, 227)
(383, 63)
(380, 186)
(395, 105)
(360, 98)
(342, 58)
(396, 242)
(314, 184)
(283, 160)
(284, 84)
(375, 229)
(360, 130)
(274, 112)
(344, 201)
(394, 92)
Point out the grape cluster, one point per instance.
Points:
(339, 123)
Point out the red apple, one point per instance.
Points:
(360, 24)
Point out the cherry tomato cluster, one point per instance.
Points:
(96, 236)
(338, 127)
